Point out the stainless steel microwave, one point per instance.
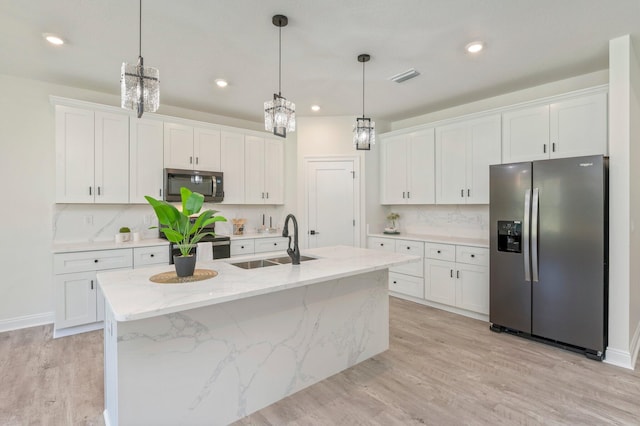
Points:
(209, 184)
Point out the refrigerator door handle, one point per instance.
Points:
(525, 234)
(534, 235)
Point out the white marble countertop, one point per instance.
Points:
(106, 245)
(476, 242)
(132, 296)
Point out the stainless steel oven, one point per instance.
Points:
(221, 245)
(221, 248)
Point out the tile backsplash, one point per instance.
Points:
(101, 222)
(471, 221)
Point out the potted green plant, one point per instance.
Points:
(179, 229)
(392, 228)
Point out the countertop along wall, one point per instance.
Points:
(27, 140)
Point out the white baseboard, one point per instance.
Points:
(105, 415)
(26, 321)
(618, 358)
(625, 359)
(452, 309)
(63, 332)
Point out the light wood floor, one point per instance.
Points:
(440, 369)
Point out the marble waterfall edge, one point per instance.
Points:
(219, 363)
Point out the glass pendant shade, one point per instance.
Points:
(279, 116)
(279, 113)
(364, 133)
(140, 87)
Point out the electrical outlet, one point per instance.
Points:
(148, 219)
(88, 220)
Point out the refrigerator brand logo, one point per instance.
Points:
(586, 164)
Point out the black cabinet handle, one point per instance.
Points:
(439, 252)
(91, 284)
(553, 147)
(395, 282)
(473, 255)
(95, 260)
(408, 248)
(152, 255)
(451, 272)
(544, 148)
(241, 247)
(275, 244)
(89, 190)
(457, 274)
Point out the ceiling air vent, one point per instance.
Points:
(404, 76)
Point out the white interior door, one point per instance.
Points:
(331, 203)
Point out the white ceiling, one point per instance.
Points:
(194, 42)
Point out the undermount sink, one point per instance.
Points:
(263, 263)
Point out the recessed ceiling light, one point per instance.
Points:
(221, 83)
(474, 47)
(315, 108)
(53, 39)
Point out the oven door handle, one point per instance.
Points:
(221, 243)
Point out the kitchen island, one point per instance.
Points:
(214, 351)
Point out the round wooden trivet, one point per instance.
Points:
(172, 278)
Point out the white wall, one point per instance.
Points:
(333, 137)
(27, 164)
(624, 130)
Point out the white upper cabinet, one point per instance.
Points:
(525, 134)
(464, 151)
(407, 168)
(178, 146)
(189, 147)
(92, 149)
(264, 170)
(232, 165)
(579, 126)
(146, 153)
(206, 149)
(567, 128)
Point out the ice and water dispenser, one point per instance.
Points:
(510, 236)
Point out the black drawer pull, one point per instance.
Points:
(95, 260)
(473, 255)
(395, 282)
(408, 248)
(241, 247)
(275, 244)
(152, 255)
(439, 252)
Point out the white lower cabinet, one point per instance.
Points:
(263, 245)
(258, 245)
(462, 283)
(405, 279)
(454, 277)
(79, 300)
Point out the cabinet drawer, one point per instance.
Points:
(97, 260)
(472, 255)
(270, 244)
(386, 244)
(411, 286)
(240, 247)
(440, 251)
(414, 268)
(143, 256)
(414, 248)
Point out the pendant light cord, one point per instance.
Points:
(362, 89)
(140, 31)
(279, 61)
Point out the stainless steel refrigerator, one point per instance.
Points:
(549, 251)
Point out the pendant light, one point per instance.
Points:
(139, 85)
(279, 113)
(364, 131)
